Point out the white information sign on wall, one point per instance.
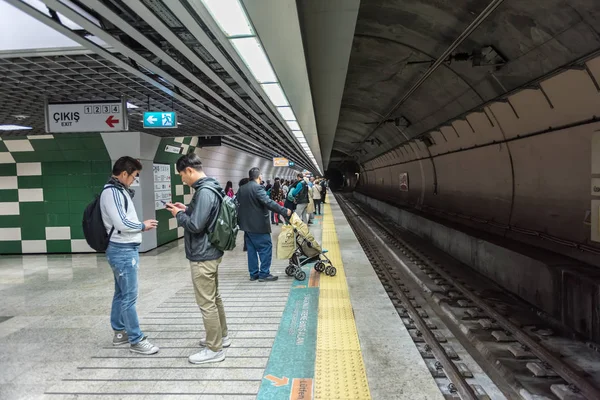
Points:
(162, 185)
(104, 116)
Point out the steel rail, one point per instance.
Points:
(462, 386)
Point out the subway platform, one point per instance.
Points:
(324, 338)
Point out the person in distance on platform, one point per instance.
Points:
(120, 218)
(196, 220)
(253, 217)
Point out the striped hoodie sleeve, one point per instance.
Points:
(114, 204)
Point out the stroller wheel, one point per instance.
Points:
(332, 271)
(320, 266)
(290, 270)
(300, 275)
(328, 270)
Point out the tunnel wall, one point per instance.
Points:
(559, 286)
(519, 167)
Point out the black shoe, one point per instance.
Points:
(253, 278)
(270, 278)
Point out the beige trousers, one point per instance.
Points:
(205, 276)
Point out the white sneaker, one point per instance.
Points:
(144, 347)
(206, 355)
(226, 342)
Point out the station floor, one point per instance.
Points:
(324, 338)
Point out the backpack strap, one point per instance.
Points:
(126, 205)
(221, 199)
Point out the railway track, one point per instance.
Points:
(479, 341)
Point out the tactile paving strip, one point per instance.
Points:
(339, 367)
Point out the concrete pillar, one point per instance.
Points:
(142, 147)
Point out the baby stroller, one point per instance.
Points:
(307, 250)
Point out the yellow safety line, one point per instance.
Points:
(339, 368)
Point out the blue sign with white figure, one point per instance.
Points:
(160, 119)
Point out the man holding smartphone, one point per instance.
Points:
(125, 230)
(198, 219)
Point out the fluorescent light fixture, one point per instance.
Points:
(275, 94)
(255, 58)
(286, 113)
(14, 128)
(293, 125)
(129, 105)
(230, 15)
(298, 134)
(302, 140)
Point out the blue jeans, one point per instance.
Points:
(259, 246)
(124, 259)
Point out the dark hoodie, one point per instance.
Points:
(199, 219)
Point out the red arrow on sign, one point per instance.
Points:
(110, 121)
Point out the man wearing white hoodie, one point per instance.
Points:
(125, 235)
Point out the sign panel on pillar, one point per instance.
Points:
(160, 119)
(84, 116)
(291, 163)
(280, 162)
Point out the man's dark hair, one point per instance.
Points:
(189, 161)
(300, 176)
(253, 174)
(243, 182)
(127, 164)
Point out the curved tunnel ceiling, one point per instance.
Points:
(396, 41)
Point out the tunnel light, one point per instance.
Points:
(14, 128)
(298, 134)
(230, 16)
(286, 113)
(255, 58)
(129, 105)
(301, 140)
(293, 125)
(275, 94)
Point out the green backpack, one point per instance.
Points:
(226, 227)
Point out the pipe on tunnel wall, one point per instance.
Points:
(520, 168)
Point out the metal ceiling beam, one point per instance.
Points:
(180, 11)
(165, 31)
(158, 25)
(465, 34)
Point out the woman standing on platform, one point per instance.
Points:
(277, 197)
(229, 189)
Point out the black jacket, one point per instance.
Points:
(254, 206)
(198, 219)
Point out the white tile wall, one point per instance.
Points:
(18, 145)
(29, 195)
(6, 158)
(187, 198)
(179, 190)
(185, 148)
(194, 141)
(7, 234)
(179, 139)
(81, 246)
(8, 182)
(180, 232)
(34, 246)
(29, 169)
(172, 223)
(9, 208)
(58, 233)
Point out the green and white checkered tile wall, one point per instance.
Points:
(46, 181)
(167, 230)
